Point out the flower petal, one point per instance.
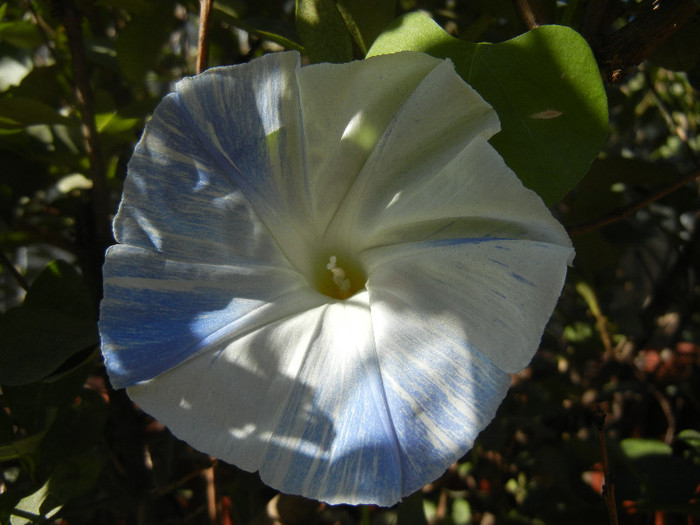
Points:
(300, 399)
(472, 194)
(450, 319)
(435, 123)
(236, 130)
(346, 110)
(223, 224)
(157, 312)
(494, 294)
(440, 392)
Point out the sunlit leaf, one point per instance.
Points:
(365, 19)
(545, 87)
(323, 31)
(36, 507)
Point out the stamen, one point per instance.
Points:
(339, 278)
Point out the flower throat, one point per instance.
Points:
(339, 278)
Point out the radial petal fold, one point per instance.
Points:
(346, 110)
(157, 313)
(312, 418)
(326, 273)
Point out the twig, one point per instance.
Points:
(623, 213)
(634, 42)
(531, 13)
(608, 482)
(284, 508)
(203, 44)
(7, 263)
(208, 475)
(589, 296)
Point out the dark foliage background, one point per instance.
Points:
(616, 384)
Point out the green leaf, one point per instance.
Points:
(231, 17)
(20, 448)
(36, 507)
(131, 6)
(113, 124)
(323, 31)
(365, 19)
(21, 33)
(77, 428)
(664, 480)
(56, 321)
(544, 85)
(16, 112)
(35, 406)
(639, 448)
(141, 42)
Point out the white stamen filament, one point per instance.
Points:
(339, 278)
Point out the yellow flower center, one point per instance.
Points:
(339, 277)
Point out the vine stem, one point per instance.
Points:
(633, 43)
(531, 13)
(608, 483)
(203, 44)
(625, 212)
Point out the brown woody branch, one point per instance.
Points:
(531, 13)
(633, 43)
(609, 485)
(618, 215)
(203, 44)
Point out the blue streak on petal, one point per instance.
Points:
(361, 460)
(522, 279)
(158, 313)
(500, 263)
(499, 294)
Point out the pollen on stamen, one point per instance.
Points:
(339, 277)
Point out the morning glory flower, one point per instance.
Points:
(326, 273)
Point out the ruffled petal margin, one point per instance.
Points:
(300, 400)
(211, 321)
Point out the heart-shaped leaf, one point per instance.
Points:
(544, 85)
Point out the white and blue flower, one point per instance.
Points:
(326, 273)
